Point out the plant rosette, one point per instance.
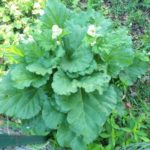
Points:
(61, 81)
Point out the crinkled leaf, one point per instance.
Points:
(39, 68)
(136, 70)
(96, 81)
(79, 60)
(87, 112)
(116, 50)
(67, 85)
(45, 65)
(42, 66)
(119, 60)
(104, 26)
(23, 78)
(51, 116)
(93, 67)
(40, 81)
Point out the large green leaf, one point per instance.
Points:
(78, 60)
(103, 25)
(39, 68)
(67, 138)
(67, 85)
(22, 104)
(51, 116)
(71, 41)
(42, 66)
(95, 81)
(36, 125)
(55, 13)
(23, 78)
(45, 65)
(130, 74)
(87, 112)
(93, 67)
(116, 50)
(118, 60)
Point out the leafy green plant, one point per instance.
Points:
(62, 78)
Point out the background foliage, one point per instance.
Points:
(16, 19)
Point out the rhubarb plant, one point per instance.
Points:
(61, 79)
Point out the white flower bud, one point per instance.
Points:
(13, 7)
(91, 30)
(58, 42)
(56, 31)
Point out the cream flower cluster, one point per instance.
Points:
(56, 31)
(14, 9)
(92, 31)
(37, 9)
